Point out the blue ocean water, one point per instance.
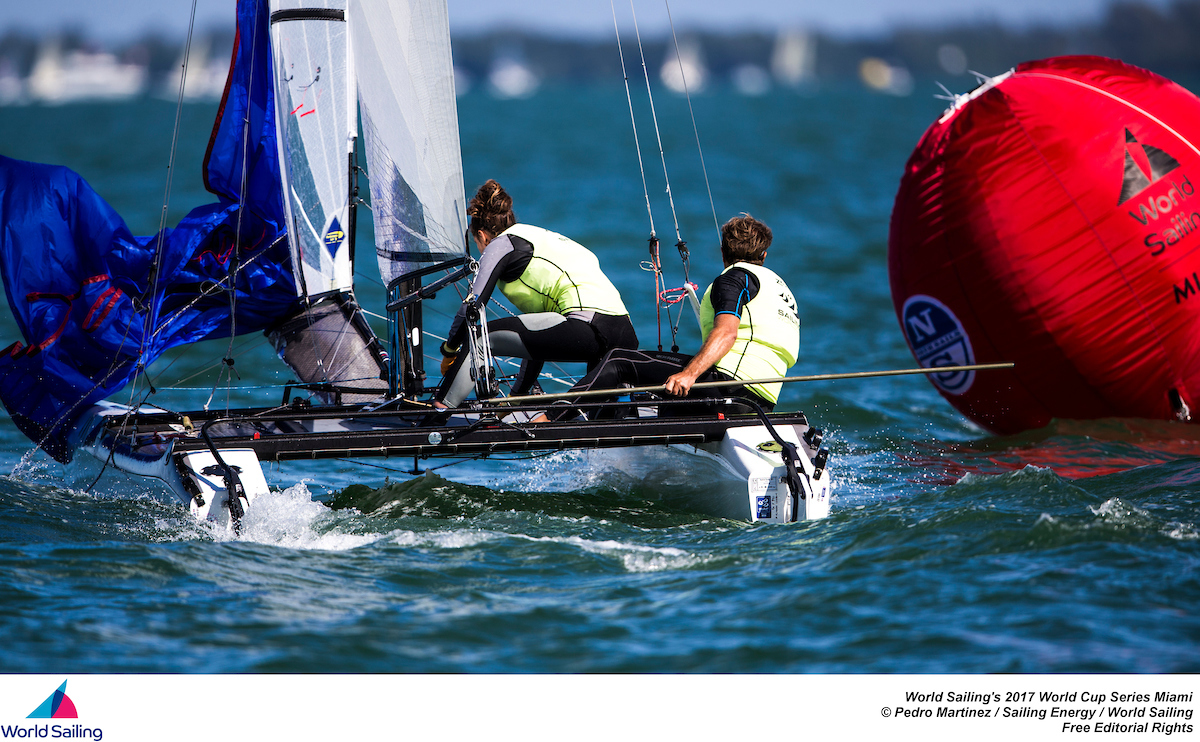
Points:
(1069, 549)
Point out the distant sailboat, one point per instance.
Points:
(510, 76)
(80, 75)
(685, 71)
(794, 59)
(882, 77)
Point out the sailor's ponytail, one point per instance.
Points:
(491, 209)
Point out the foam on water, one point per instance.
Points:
(457, 539)
(291, 518)
(633, 557)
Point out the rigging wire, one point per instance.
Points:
(654, 263)
(654, 116)
(156, 267)
(683, 251)
(215, 288)
(228, 360)
(662, 295)
(696, 130)
(198, 372)
(637, 145)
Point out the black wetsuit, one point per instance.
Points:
(580, 336)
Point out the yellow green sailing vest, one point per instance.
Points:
(768, 338)
(563, 276)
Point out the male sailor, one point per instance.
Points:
(750, 326)
(570, 310)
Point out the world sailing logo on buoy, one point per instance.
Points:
(57, 706)
(1144, 165)
(937, 339)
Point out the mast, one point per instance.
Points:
(351, 150)
(410, 130)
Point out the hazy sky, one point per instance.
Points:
(117, 19)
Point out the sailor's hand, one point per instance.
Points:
(680, 384)
(447, 362)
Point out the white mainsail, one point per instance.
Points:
(410, 125)
(316, 129)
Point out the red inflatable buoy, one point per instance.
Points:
(1052, 218)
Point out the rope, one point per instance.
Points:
(654, 263)
(675, 295)
(237, 237)
(696, 131)
(632, 119)
(662, 295)
(654, 115)
(156, 268)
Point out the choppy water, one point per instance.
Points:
(1070, 549)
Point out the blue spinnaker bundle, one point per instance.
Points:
(95, 303)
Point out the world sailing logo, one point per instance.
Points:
(1144, 165)
(1165, 210)
(57, 706)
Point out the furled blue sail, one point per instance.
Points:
(94, 303)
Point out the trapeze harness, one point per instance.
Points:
(570, 310)
(767, 343)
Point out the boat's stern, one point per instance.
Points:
(754, 454)
(204, 483)
(195, 478)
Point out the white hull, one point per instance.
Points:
(193, 478)
(754, 459)
(742, 477)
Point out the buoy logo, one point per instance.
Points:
(937, 338)
(1144, 165)
(57, 706)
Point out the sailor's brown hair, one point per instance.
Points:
(491, 209)
(744, 239)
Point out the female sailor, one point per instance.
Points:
(570, 310)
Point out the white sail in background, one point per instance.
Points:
(313, 98)
(410, 126)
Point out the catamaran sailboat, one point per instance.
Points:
(276, 255)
